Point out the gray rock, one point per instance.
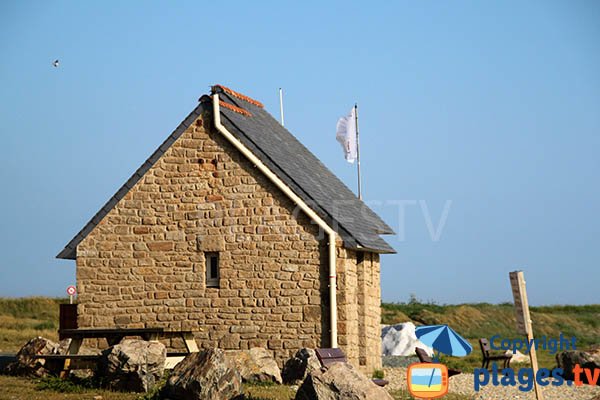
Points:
(27, 365)
(79, 375)
(255, 365)
(133, 365)
(208, 375)
(340, 382)
(63, 346)
(297, 368)
(398, 361)
(568, 359)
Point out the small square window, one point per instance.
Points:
(212, 269)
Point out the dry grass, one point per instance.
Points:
(485, 320)
(25, 318)
(15, 332)
(269, 392)
(17, 388)
(25, 389)
(405, 395)
(474, 321)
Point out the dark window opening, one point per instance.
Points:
(212, 269)
(360, 257)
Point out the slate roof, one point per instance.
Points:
(294, 164)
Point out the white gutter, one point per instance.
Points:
(297, 200)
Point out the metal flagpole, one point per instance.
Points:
(357, 151)
(281, 106)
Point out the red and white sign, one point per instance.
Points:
(71, 290)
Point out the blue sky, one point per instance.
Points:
(488, 110)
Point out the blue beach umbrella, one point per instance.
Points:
(443, 339)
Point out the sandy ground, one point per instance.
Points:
(463, 384)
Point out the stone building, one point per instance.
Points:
(234, 230)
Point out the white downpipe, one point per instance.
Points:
(303, 206)
(332, 289)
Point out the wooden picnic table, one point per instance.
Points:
(115, 335)
(112, 335)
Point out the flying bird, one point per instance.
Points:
(55, 63)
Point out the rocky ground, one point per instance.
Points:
(204, 374)
(463, 384)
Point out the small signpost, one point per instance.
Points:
(517, 283)
(71, 291)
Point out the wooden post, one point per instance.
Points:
(517, 283)
(72, 350)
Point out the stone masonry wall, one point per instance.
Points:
(347, 304)
(359, 309)
(144, 265)
(370, 274)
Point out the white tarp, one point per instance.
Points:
(401, 340)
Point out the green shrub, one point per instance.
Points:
(56, 384)
(45, 325)
(378, 374)
(156, 392)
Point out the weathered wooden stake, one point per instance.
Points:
(517, 283)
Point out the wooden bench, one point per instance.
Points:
(328, 357)
(63, 357)
(424, 358)
(79, 361)
(488, 356)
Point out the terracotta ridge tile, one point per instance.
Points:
(240, 96)
(234, 108)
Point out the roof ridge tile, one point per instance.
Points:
(233, 108)
(239, 95)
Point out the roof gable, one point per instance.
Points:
(70, 250)
(354, 221)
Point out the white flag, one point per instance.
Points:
(346, 135)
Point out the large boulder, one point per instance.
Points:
(26, 364)
(340, 382)
(208, 375)
(297, 368)
(133, 365)
(401, 340)
(255, 365)
(568, 359)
